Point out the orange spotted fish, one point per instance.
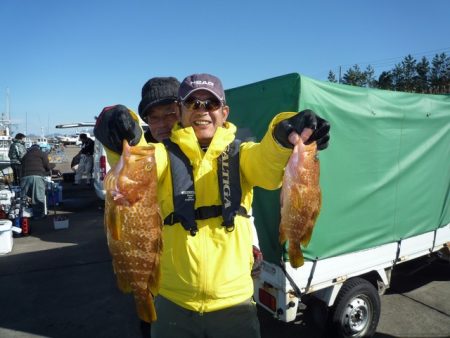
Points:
(301, 200)
(133, 226)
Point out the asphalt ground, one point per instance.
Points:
(59, 283)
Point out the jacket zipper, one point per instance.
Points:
(204, 280)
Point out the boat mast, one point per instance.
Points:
(7, 104)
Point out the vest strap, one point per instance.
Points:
(230, 183)
(183, 187)
(202, 213)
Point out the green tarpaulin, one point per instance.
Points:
(385, 175)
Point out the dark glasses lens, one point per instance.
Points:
(195, 104)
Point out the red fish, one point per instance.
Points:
(134, 226)
(301, 200)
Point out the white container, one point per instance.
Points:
(6, 238)
(27, 212)
(60, 222)
(6, 196)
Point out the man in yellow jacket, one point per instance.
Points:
(206, 286)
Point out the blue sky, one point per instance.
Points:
(64, 60)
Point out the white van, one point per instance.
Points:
(100, 165)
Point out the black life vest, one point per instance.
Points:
(184, 190)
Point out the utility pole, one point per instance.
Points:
(340, 69)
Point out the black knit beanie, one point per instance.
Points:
(158, 91)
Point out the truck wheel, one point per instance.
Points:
(356, 310)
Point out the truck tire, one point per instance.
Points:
(356, 310)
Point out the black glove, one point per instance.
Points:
(304, 119)
(116, 124)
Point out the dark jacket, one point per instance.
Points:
(35, 162)
(88, 147)
(16, 151)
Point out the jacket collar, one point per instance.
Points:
(186, 139)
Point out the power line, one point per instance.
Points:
(387, 62)
(392, 59)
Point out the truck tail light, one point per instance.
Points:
(267, 299)
(3, 214)
(102, 167)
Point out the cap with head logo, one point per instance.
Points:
(196, 82)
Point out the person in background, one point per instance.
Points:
(206, 287)
(17, 150)
(159, 107)
(85, 164)
(74, 163)
(35, 166)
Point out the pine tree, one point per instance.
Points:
(385, 81)
(369, 78)
(331, 77)
(408, 67)
(398, 80)
(353, 76)
(422, 80)
(440, 77)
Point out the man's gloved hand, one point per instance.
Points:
(304, 119)
(116, 124)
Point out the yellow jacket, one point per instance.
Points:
(211, 271)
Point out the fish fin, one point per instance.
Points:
(295, 255)
(121, 278)
(112, 220)
(117, 196)
(116, 225)
(153, 283)
(123, 285)
(307, 237)
(283, 237)
(126, 148)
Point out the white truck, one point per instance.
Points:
(385, 181)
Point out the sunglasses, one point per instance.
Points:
(192, 104)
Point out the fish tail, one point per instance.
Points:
(295, 255)
(146, 309)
